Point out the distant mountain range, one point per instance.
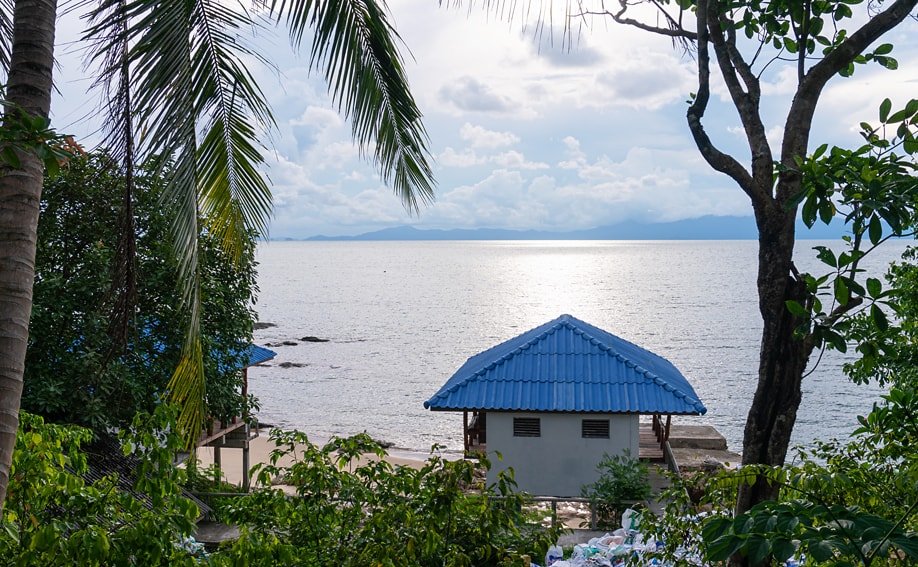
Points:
(702, 228)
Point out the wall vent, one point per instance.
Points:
(595, 429)
(527, 427)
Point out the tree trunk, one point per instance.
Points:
(29, 92)
(782, 359)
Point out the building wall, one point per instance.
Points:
(561, 461)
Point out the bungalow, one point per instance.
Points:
(555, 399)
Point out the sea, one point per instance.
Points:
(400, 317)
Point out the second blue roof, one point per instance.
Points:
(568, 365)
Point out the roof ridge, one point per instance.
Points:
(651, 376)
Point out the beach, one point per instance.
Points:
(260, 449)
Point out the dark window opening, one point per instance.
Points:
(527, 427)
(595, 429)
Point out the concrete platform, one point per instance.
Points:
(691, 459)
(696, 437)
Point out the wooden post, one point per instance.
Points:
(245, 460)
(465, 430)
(218, 462)
(669, 422)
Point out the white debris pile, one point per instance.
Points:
(626, 546)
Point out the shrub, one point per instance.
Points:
(354, 511)
(621, 479)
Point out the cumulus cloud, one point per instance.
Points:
(648, 82)
(470, 94)
(515, 160)
(462, 158)
(480, 137)
(469, 158)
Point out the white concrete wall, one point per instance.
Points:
(560, 461)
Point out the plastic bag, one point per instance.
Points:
(631, 519)
(553, 555)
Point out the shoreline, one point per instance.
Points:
(260, 448)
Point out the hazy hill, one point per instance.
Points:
(703, 228)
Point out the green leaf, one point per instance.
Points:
(885, 107)
(796, 309)
(826, 211)
(842, 293)
(11, 158)
(826, 256)
(782, 549)
(810, 210)
(884, 49)
(879, 317)
(888, 62)
(874, 287)
(757, 548)
(899, 116)
(820, 151)
(723, 548)
(821, 551)
(875, 229)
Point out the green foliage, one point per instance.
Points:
(874, 189)
(22, 132)
(796, 28)
(851, 503)
(889, 349)
(354, 511)
(55, 515)
(823, 522)
(622, 479)
(72, 373)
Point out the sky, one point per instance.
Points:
(525, 131)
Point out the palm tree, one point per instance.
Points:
(174, 70)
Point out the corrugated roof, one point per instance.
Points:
(257, 354)
(568, 365)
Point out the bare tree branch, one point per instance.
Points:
(716, 159)
(674, 30)
(731, 63)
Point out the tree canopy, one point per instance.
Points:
(75, 371)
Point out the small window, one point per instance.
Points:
(527, 427)
(595, 429)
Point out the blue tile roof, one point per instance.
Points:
(567, 365)
(257, 355)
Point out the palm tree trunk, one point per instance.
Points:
(29, 93)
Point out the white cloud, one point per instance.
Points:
(469, 158)
(464, 158)
(515, 160)
(480, 137)
(648, 81)
(471, 95)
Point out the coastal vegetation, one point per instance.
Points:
(178, 74)
(815, 42)
(347, 510)
(842, 502)
(76, 372)
(622, 480)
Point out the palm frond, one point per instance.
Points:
(355, 46)
(107, 36)
(232, 193)
(200, 111)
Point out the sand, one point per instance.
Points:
(260, 452)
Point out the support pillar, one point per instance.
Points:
(465, 430)
(245, 461)
(218, 461)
